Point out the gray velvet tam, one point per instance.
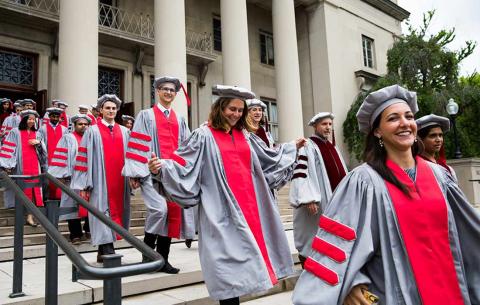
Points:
(109, 98)
(319, 116)
(83, 106)
(27, 101)
(128, 117)
(93, 106)
(54, 110)
(233, 92)
(5, 100)
(59, 103)
(254, 102)
(433, 120)
(167, 79)
(16, 105)
(77, 117)
(376, 102)
(29, 112)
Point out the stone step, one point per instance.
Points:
(91, 291)
(10, 220)
(197, 294)
(37, 239)
(62, 227)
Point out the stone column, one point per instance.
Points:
(287, 73)
(235, 50)
(170, 46)
(78, 53)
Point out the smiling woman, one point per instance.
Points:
(386, 219)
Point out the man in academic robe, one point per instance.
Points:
(98, 174)
(319, 170)
(62, 167)
(50, 133)
(64, 118)
(161, 130)
(84, 109)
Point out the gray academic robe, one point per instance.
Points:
(8, 124)
(44, 135)
(15, 162)
(231, 261)
(156, 218)
(377, 256)
(63, 169)
(310, 183)
(94, 179)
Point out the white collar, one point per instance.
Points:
(160, 106)
(106, 123)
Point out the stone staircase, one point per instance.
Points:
(187, 287)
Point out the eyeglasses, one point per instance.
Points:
(166, 89)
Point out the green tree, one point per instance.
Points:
(421, 63)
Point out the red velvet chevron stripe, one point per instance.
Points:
(328, 249)
(140, 136)
(138, 146)
(321, 271)
(336, 228)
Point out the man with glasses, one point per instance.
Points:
(98, 174)
(159, 130)
(61, 167)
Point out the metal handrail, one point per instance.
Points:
(77, 260)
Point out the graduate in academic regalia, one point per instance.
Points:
(228, 173)
(6, 109)
(319, 170)
(95, 113)
(50, 133)
(61, 166)
(128, 121)
(98, 174)
(64, 117)
(161, 130)
(258, 116)
(431, 129)
(397, 226)
(11, 121)
(23, 153)
(85, 109)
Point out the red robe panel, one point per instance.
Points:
(30, 165)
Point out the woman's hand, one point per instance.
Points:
(355, 297)
(85, 195)
(300, 142)
(154, 164)
(33, 142)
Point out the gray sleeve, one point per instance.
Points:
(61, 164)
(304, 187)
(139, 149)
(467, 221)
(9, 150)
(83, 170)
(346, 240)
(277, 163)
(179, 177)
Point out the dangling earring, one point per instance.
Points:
(416, 140)
(380, 142)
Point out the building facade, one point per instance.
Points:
(299, 56)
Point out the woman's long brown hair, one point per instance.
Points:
(217, 120)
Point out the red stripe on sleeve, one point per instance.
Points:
(138, 146)
(9, 127)
(82, 149)
(322, 272)
(136, 157)
(61, 149)
(336, 228)
(178, 159)
(53, 163)
(80, 168)
(7, 149)
(5, 156)
(140, 136)
(328, 249)
(9, 143)
(61, 157)
(82, 159)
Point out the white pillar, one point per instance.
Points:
(235, 50)
(78, 53)
(287, 73)
(170, 46)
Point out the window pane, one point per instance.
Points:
(109, 82)
(16, 69)
(263, 49)
(270, 50)
(152, 90)
(217, 34)
(272, 113)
